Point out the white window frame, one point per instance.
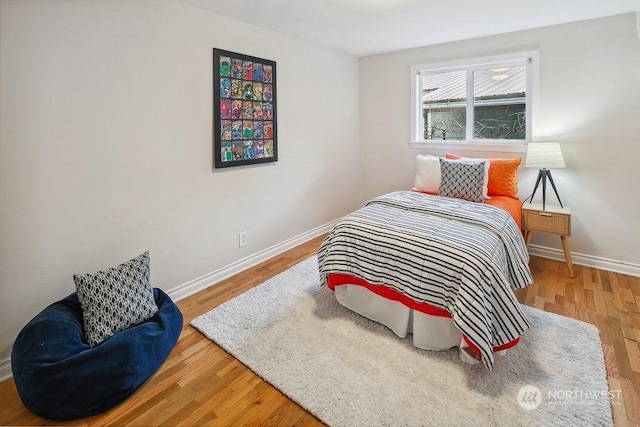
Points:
(529, 58)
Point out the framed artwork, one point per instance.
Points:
(244, 110)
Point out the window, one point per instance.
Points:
(486, 101)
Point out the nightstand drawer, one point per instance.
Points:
(550, 222)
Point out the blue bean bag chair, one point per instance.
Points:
(60, 376)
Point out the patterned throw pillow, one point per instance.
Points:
(462, 180)
(115, 299)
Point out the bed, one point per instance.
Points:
(438, 265)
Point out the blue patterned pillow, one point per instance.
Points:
(462, 180)
(115, 299)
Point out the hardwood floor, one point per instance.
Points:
(200, 384)
(611, 302)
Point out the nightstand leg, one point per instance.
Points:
(527, 238)
(567, 254)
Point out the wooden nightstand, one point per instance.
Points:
(553, 219)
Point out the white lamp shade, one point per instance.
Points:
(546, 155)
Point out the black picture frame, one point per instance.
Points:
(245, 127)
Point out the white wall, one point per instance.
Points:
(589, 102)
(106, 146)
(106, 140)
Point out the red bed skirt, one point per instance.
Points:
(344, 279)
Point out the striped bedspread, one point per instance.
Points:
(459, 256)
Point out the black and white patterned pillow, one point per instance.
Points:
(115, 299)
(462, 180)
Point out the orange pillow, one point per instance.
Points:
(503, 176)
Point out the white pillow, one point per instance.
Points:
(427, 174)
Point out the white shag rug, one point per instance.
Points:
(350, 371)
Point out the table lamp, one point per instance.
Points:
(544, 155)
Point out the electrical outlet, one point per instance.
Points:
(242, 239)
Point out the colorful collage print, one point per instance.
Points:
(246, 110)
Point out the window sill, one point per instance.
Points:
(471, 146)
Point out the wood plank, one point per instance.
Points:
(622, 357)
(631, 393)
(633, 349)
(617, 405)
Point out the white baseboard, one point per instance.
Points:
(196, 285)
(587, 260)
(193, 286)
(5, 369)
(219, 275)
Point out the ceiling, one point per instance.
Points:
(366, 27)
